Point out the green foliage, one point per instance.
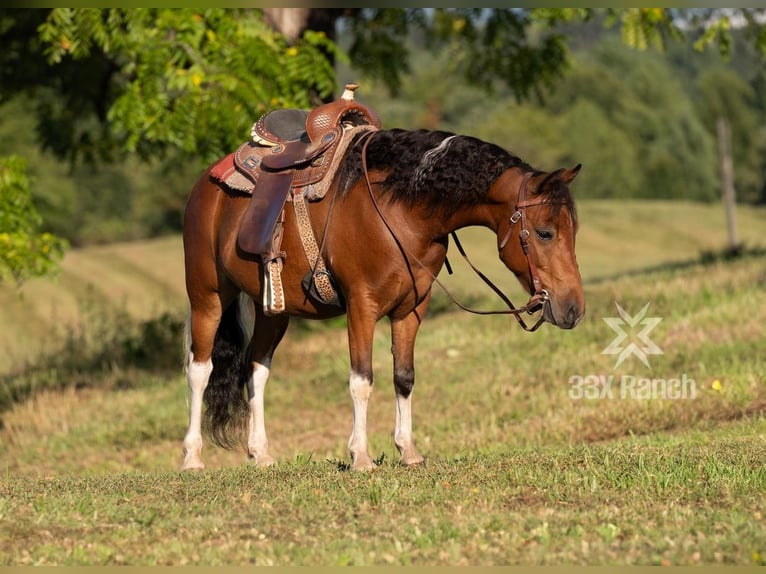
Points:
(638, 121)
(89, 204)
(377, 44)
(602, 143)
(724, 94)
(149, 80)
(515, 49)
(676, 158)
(188, 79)
(645, 27)
(525, 50)
(492, 48)
(24, 251)
(716, 28)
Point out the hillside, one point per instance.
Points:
(539, 449)
(145, 278)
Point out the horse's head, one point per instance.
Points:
(537, 243)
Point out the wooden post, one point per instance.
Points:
(727, 182)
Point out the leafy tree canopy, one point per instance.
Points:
(640, 122)
(151, 80)
(176, 78)
(24, 252)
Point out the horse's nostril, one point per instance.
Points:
(572, 315)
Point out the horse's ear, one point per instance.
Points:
(568, 175)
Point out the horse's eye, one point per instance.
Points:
(544, 234)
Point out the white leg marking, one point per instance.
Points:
(361, 390)
(197, 376)
(257, 443)
(403, 431)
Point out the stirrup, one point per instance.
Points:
(273, 293)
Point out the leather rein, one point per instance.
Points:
(540, 297)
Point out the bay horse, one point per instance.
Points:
(392, 204)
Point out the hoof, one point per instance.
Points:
(362, 464)
(410, 455)
(192, 463)
(263, 460)
(413, 461)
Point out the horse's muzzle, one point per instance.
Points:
(564, 314)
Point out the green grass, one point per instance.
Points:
(636, 502)
(518, 471)
(142, 279)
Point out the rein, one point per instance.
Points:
(539, 298)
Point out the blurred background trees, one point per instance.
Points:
(24, 251)
(116, 111)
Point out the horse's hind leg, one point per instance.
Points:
(267, 334)
(202, 326)
(403, 333)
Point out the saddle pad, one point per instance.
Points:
(226, 173)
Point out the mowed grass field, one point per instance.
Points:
(534, 454)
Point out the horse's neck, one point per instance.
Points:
(481, 215)
(495, 209)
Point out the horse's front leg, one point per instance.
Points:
(361, 329)
(403, 333)
(267, 333)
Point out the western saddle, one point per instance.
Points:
(292, 156)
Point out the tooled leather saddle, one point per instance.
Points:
(292, 156)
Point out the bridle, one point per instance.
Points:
(539, 299)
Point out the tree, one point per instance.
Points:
(178, 87)
(24, 251)
(724, 95)
(153, 80)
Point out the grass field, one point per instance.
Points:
(521, 467)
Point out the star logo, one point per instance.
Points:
(617, 347)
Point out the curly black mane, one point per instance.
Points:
(436, 168)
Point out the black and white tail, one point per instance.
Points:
(224, 396)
